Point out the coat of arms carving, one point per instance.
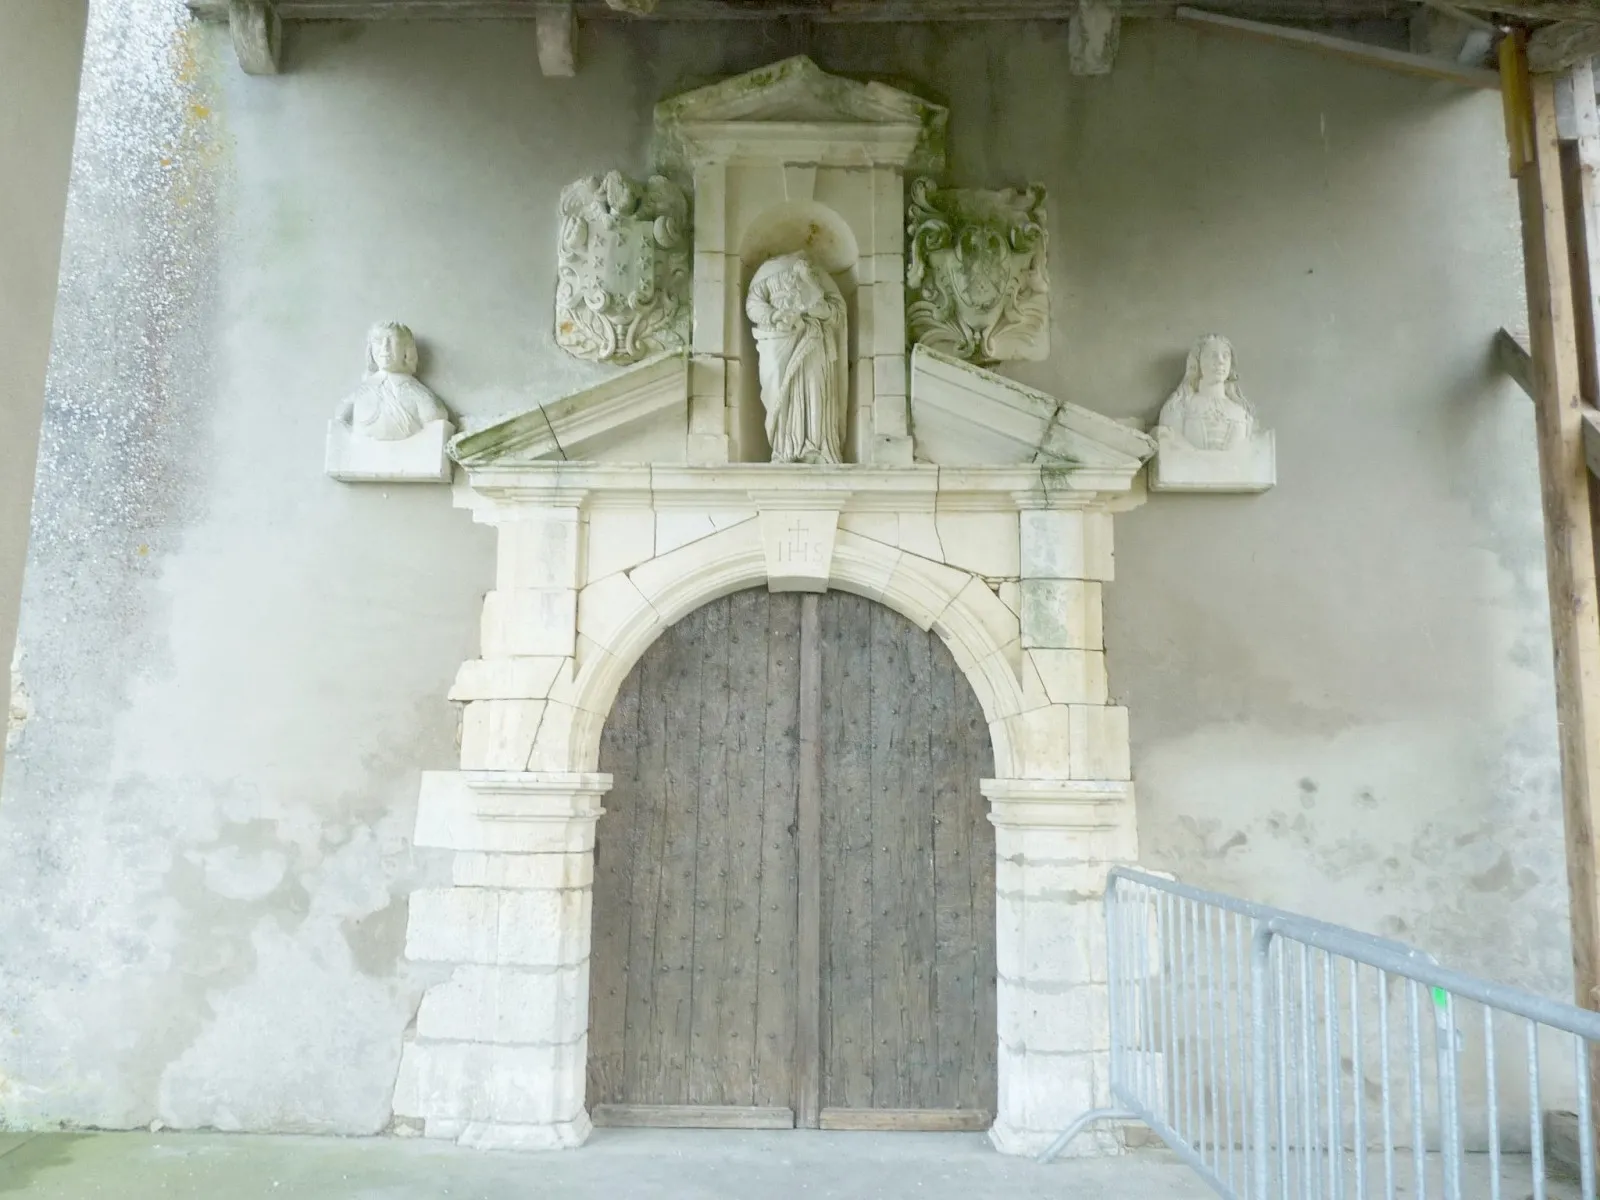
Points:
(975, 273)
(622, 271)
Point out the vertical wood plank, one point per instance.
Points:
(971, 758)
(1569, 536)
(746, 799)
(847, 852)
(614, 848)
(808, 851)
(1580, 159)
(917, 892)
(775, 997)
(956, 937)
(715, 1040)
(674, 987)
(892, 953)
(642, 1044)
(1577, 207)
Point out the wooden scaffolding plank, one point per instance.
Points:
(1512, 357)
(1565, 490)
(1579, 146)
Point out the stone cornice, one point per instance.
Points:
(849, 487)
(1095, 804)
(826, 145)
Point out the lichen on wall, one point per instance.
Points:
(21, 704)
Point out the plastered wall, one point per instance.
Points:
(1340, 690)
(41, 45)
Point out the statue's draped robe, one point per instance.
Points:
(1206, 420)
(390, 406)
(802, 380)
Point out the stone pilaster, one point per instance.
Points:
(1067, 729)
(883, 315)
(1055, 840)
(497, 1059)
(514, 716)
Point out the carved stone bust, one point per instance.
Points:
(391, 404)
(1207, 437)
(391, 429)
(1207, 409)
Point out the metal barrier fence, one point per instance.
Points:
(1285, 1058)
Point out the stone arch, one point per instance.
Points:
(926, 593)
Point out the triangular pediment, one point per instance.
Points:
(964, 415)
(638, 415)
(795, 92)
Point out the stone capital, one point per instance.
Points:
(510, 812)
(1087, 805)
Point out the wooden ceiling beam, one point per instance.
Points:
(1441, 30)
(1564, 44)
(257, 34)
(556, 31)
(825, 11)
(1309, 12)
(1375, 56)
(1093, 32)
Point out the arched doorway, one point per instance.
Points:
(794, 881)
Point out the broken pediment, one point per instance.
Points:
(638, 415)
(964, 415)
(796, 112)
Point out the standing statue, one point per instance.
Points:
(1207, 411)
(391, 404)
(798, 316)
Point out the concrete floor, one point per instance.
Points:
(617, 1164)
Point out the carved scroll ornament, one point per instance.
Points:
(975, 276)
(622, 272)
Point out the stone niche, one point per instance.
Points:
(622, 508)
(789, 158)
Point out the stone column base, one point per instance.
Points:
(497, 1059)
(491, 1135)
(1098, 1141)
(1055, 840)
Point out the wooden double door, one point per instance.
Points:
(794, 889)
